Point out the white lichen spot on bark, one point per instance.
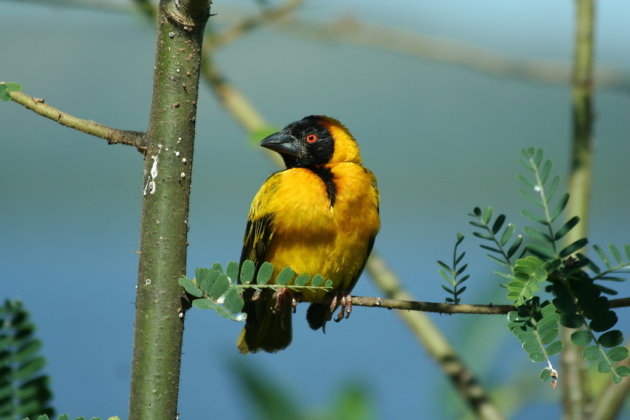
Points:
(153, 174)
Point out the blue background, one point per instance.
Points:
(440, 139)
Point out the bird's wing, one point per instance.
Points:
(374, 191)
(259, 229)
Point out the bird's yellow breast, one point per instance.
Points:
(310, 233)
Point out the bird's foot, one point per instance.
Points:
(341, 298)
(285, 299)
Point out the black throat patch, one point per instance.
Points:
(326, 175)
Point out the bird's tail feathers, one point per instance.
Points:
(317, 315)
(265, 329)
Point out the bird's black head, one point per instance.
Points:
(304, 143)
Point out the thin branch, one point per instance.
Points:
(435, 343)
(242, 27)
(449, 308)
(232, 100)
(454, 52)
(352, 31)
(100, 5)
(442, 308)
(112, 135)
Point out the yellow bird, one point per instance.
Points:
(319, 216)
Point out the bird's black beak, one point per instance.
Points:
(283, 143)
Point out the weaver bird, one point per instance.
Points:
(319, 216)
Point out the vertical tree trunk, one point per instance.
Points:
(167, 177)
(576, 393)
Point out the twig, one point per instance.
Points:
(242, 27)
(436, 344)
(100, 5)
(112, 135)
(443, 308)
(449, 308)
(436, 49)
(457, 53)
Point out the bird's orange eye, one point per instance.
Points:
(311, 138)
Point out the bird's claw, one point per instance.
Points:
(284, 299)
(343, 299)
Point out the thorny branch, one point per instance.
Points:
(112, 135)
(449, 308)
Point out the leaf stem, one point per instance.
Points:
(540, 189)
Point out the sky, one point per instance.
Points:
(440, 139)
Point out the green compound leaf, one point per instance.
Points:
(206, 278)
(232, 271)
(190, 287)
(204, 303)
(574, 247)
(615, 253)
(555, 348)
(514, 316)
(515, 246)
(7, 87)
(623, 371)
(611, 338)
(536, 356)
(218, 288)
(317, 281)
(617, 354)
(507, 234)
(545, 374)
(528, 274)
(264, 273)
(602, 256)
(591, 353)
(234, 301)
(219, 309)
(498, 223)
(454, 275)
(537, 234)
(247, 271)
(603, 366)
(302, 279)
(285, 276)
(581, 338)
(603, 321)
(25, 351)
(570, 224)
(571, 320)
(533, 217)
(486, 215)
(562, 203)
(24, 390)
